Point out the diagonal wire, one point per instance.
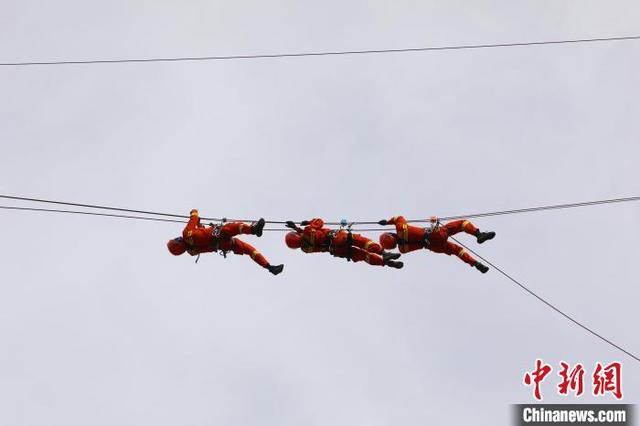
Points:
(558, 310)
(32, 209)
(316, 54)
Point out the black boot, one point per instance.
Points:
(387, 256)
(484, 236)
(480, 267)
(257, 227)
(394, 264)
(275, 269)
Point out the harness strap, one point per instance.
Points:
(215, 242)
(424, 241)
(329, 241)
(331, 237)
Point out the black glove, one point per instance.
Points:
(304, 223)
(290, 224)
(382, 222)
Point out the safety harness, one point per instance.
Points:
(215, 240)
(217, 229)
(425, 240)
(328, 244)
(349, 242)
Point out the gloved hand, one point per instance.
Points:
(290, 224)
(383, 222)
(304, 223)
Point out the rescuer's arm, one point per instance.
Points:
(396, 220)
(192, 225)
(315, 223)
(291, 224)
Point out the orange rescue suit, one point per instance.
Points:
(412, 238)
(205, 239)
(316, 238)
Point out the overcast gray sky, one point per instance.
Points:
(100, 325)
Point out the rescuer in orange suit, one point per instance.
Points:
(197, 238)
(316, 238)
(434, 238)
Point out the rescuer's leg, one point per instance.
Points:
(356, 254)
(240, 247)
(275, 269)
(469, 228)
(232, 229)
(409, 247)
(387, 256)
(257, 227)
(394, 264)
(484, 236)
(359, 255)
(460, 226)
(482, 268)
(454, 249)
(366, 244)
(236, 228)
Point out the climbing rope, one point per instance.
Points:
(345, 225)
(283, 222)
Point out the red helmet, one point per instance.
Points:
(388, 240)
(177, 246)
(293, 240)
